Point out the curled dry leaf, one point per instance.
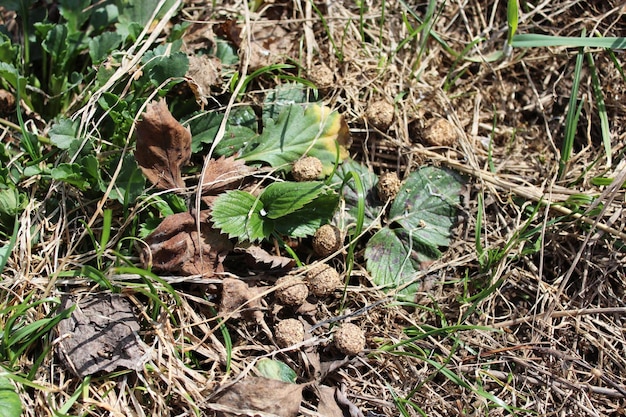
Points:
(100, 335)
(258, 394)
(175, 247)
(204, 72)
(163, 146)
(259, 258)
(223, 174)
(241, 300)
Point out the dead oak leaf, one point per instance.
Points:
(163, 146)
(175, 247)
(258, 394)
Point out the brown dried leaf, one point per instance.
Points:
(259, 258)
(204, 72)
(100, 335)
(327, 405)
(174, 247)
(163, 146)
(262, 395)
(224, 174)
(241, 300)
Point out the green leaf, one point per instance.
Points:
(240, 129)
(8, 51)
(56, 44)
(308, 219)
(161, 63)
(284, 96)
(273, 369)
(238, 214)
(10, 403)
(100, 46)
(105, 16)
(71, 174)
(10, 74)
(421, 215)
(536, 40)
(130, 182)
(282, 198)
(76, 12)
(63, 133)
(390, 261)
(12, 203)
(314, 131)
(426, 206)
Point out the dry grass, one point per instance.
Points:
(530, 325)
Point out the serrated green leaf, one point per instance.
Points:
(10, 403)
(100, 46)
(8, 51)
(314, 131)
(390, 261)
(161, 63)
(273, 369)
(71, 174)
(426, 206)
(422, 215)
(283, 198)
(63, 133)
(308, 219)
(238, 214)
(350, 194)
(76, 12)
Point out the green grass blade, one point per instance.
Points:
(512, 17)
(604, 118)
(571, 120)
(536, 41)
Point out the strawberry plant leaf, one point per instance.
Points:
(420, 219)
(283, 198)
(70, 174)
(164, 62)
(314, 131)
(283, 96)
(308, 219)
(426, 206)
(239, 214)
(100, 46)
(389, 260)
